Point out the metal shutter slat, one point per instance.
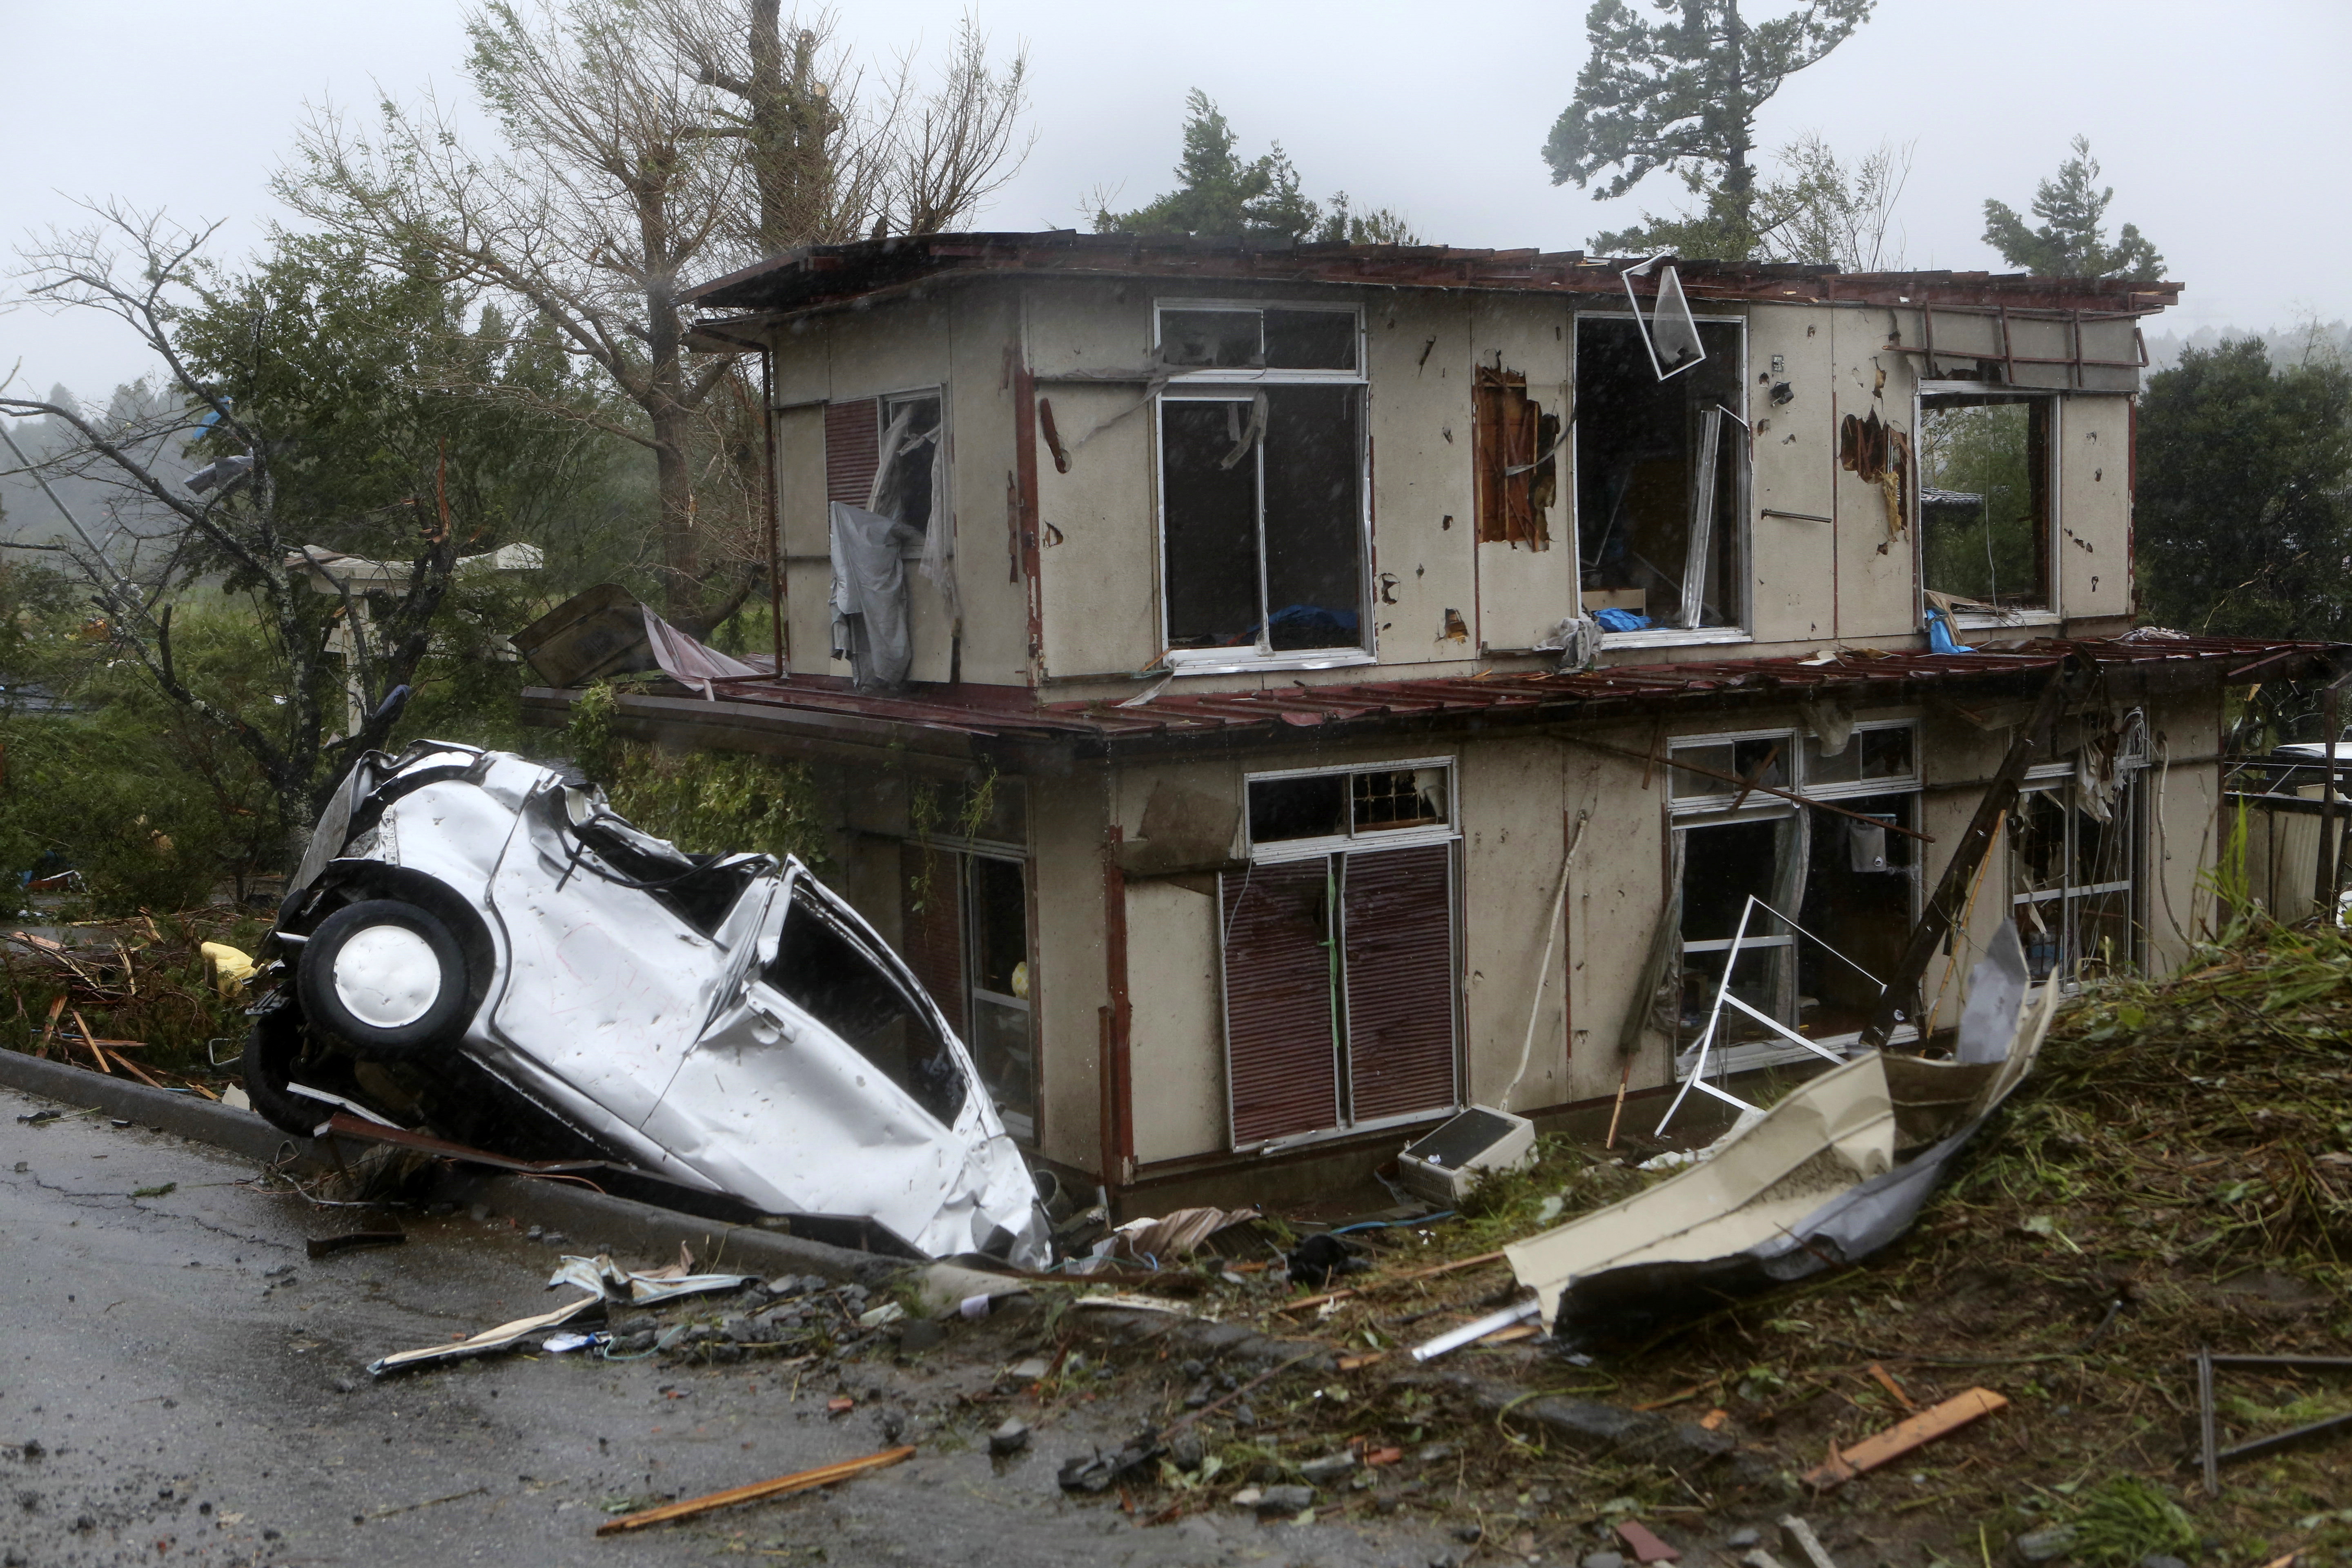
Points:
(1399, 924)
(1279, 1059)
(853, 450)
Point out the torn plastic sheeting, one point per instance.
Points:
(640, 1287)
(869, 596)
(504, 1337)
(1752, 1215)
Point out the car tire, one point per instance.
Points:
(271, 1049)
(385, 977)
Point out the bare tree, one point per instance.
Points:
(167, 534)
(645, 144)
(1821, 211)
(829, 167)
(605, 196)
(949, 150)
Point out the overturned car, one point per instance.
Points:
(480, 948)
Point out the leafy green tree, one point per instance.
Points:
(2073, 240)
(1218, 193)
(214, 653)
(1681, 94)
(2244, 505)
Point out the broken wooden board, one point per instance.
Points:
(1935, 1421)
(783, 1486)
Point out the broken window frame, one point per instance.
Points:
(1714, 808)
(2050, 611)
(1353, 842)
(2060, 780)
(951, 856)
(887, 405)
(1741, 570)
(1226, 383)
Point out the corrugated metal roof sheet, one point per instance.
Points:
(1004, 713)
(816, 275)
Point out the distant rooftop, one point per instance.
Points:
(820, 274)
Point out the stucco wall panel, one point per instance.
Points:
(2094, 536)
(980, 407)
(1423, 529)
(1176, 1049)
(1615, 894)
(1513, 838)
(1876, 571)
(1099, 550)
(1069, 985)
(1795, 472)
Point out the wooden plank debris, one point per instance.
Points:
(1935, 1421)
(783, 1486)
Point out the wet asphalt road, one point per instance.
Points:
(179, 1382)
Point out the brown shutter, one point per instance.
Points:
(931, 927)
(1399, 918)
(853, 449)
(1278, 982)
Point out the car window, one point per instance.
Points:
(833, 979)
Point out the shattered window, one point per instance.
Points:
(2074, 862)
(909, 453)
(1758, 759)
(1261, 512)
(1517, 466)
(1661, 478)
(1984, 500)
(1849, 876)
(1869, 756)
(997, 914)
(1339, 804)
(830, 975)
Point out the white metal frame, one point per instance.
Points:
(2048, 615)
(1723, 998)
(1290, 851)
(1219, 385)
(1712, 810)
(1742, 630)
(2058, 779)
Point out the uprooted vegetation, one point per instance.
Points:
(2176, 1173)
(139, 989)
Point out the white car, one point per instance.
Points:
(480, 948)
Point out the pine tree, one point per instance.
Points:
(1682, 95)
(2072, 241)
(1218, 193)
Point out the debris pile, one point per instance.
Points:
(151, 998)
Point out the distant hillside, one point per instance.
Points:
(27, 516)
(2286, 344)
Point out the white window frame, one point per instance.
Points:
(2052, 615)
(1286, 849)
(1713, 811)
(1222, 384)
(1743, 558)
(2059, 779)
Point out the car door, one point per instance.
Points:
(828, 1084)
(606, 988)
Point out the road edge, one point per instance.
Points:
(615, 1224)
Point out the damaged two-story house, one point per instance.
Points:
(1277, 696)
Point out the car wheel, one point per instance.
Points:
(271, 1050)
(385, 977)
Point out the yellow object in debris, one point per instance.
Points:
(231, 968)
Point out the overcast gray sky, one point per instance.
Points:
(2222, 127)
